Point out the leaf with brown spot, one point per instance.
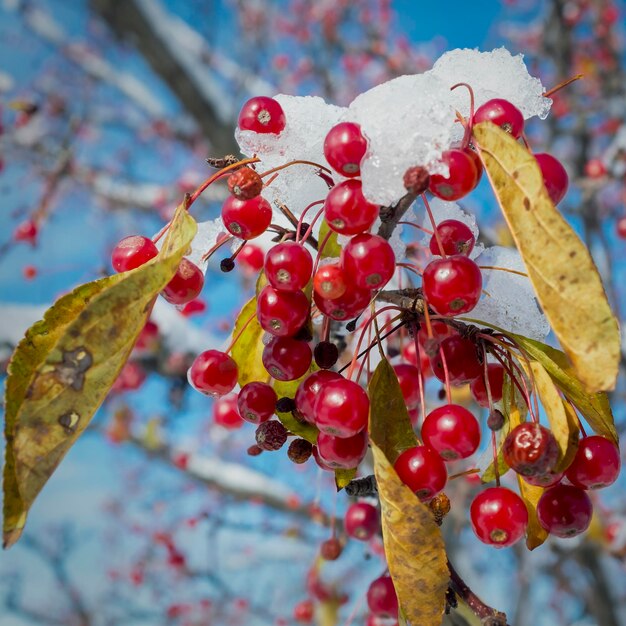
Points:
(414, 547)
(63, 369)
(559, 265)
(535, 533)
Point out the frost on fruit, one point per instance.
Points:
(309, 118)
(509, 300)
(407, 121)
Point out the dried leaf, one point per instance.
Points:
(594, 407)
(390, 425)
(248, 349)
(331, 248)
(559, 266)
(62, 370)
(535, 533)
(414, 547)
(563, 427)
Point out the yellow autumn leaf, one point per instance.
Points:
(248, 349)
(562, 424)
(331, 247)
(535, 533)
(414, 547)
(62, 370)
(559, 266)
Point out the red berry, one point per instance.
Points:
(344, 147)
(409, 353)
(282, 313)
(130, 378)
(530, 449)
(423, 471)
(495, 373)
(346, 209)
(26, 231)
(499, 517)
(342, 452)
(408, 378)
(262, 115)
(245, 183)
(341, 408)
(463, 176)
(331, 549)
(288, 266)
(213, 373)
(564, 510)
(554, 176)
(308, 390)
(304, 612)
(595, 168)
(461, 360)
(596, 464)
(361, 521)
(452, 285)
(246, 219)
(186, 284)
(251, 258)
(132, 252)
(502, 113)
(452, 431)
(382, 598)
(369, 261)
(148, 336)
(456, 238)
(347, 306)
(225, 412)
(286, 358)
(320, 462)
(256, 402)
(440, 331)
(330, 281)
(544, 480)
(621, 227)
(29, 272)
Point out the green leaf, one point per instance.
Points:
(62, 370)
(248, 349)
(535, 533)
(594, 407)
(343, 477)
(560, 267)
(331, 247)
(389, 424)
(414, 547)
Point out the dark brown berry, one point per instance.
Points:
(227, 265)
(416, 180)
(254, 451)
(530, 449)
(285, 405)
(299, 451)
(440, 506)
(495, 421)
(245, 183)
(325, 354)
(271, 435)
(331, 549)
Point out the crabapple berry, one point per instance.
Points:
(256, 402)
(304, 612)
(452, 431)
(423, 471)
(554, 176)
(461, 359)
(369, 261)
(245, 183)
(463, 176)
(564, 510)
(495, 375)
(286, 358)
(341, 408)
(246, 219)
(330, 281)
(502, 113)
(262, 115)
(225, 412)
(408, 379)
(185, 285)
(596, 464)
(26, 231)
(347, 211)
(452, 285)
(499, 517)
(350, 304)
(132, 252)
(308, 390)
(361, 521)
(456, 238)
(621, 227)
(544, 480)
(382, 598)
(251, 258)
(344, 147)
(282, 313)
(213, 373)
(530, 449)
(342, 452)
(288, 266)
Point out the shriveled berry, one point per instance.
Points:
(225, 412)
(186, 284)
(416, 180)
(369, 261)
(331, 549)
(382, 598)
(596, 464)
(499, 517)
(341, 408)
(346, 209)
(299, 451)
(288, 266)
(262, 115)
(452, 431)
(213, 373)
(344, 147)
(286, 358)
(246, 219)
(495, 374)
(564, 510)
(361, 521)
(422, 470)
(245, 183)
(495, 421)
(132, 252)
(256, 402)
(530, 449)
(455, 237)
(282, 313)
(502, 113)
(271, 435)
(254, 450)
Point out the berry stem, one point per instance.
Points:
(468, 126)
(424, 230)
(211, 179)
(411, 267)
(289, 164)
(301, 220)
(421, 373)
(222, 242)
(434, 225)
(560, 86)
(320, 250)
(309, 230)
(446, 375)
(467, 472)
(502, 269)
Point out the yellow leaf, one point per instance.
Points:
(535, 534)
(414, 547)
(594, 407)
(248, 349)
(389, 425)
(559, 266)
(562, 424)
(331, 247)
(62, 370)
(343, 477)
